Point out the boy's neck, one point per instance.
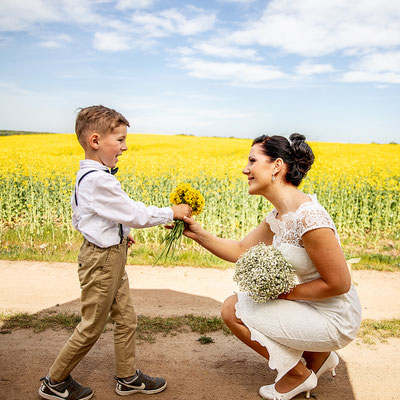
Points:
(93, 156)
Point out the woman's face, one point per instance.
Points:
(259, 170)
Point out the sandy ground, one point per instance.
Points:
(224, 370)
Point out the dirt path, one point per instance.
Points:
(224, 370)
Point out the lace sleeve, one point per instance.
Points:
(270, 216)
(313, 218)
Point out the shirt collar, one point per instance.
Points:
(93, 165)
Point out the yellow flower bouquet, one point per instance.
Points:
(183, 194)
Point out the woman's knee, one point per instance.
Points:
(228, 309)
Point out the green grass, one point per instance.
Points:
(41, 250)
(205, 340)
(54, 243)
(147, 329)
(381, 330)
(376, 252)
(59, 249)
(379, 262)
(189, 256)
(37, 322)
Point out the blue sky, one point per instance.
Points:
(329, 69)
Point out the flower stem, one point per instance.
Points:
(172, 240)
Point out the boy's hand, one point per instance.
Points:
(181, 210)
(130, 241)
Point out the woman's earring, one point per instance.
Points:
(273, 177)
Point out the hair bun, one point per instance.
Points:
(302, 155)
(297, 137)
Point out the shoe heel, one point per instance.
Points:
(308, 394)
(330, 365)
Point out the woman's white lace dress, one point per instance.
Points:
(287, 328)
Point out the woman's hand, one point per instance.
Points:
(192, 228)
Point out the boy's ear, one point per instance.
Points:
(93, 140)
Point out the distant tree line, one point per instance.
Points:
(9, 133)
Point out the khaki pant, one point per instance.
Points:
(104, 290)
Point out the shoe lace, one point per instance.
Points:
(74, 386)
(148, 378)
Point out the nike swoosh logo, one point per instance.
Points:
(142, 386)
(64, 395)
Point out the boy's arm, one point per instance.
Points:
(111, 202)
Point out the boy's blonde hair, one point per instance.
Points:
(100, 119)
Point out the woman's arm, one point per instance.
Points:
(227, 249)
(327, 256)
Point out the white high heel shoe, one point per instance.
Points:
(269, 391)
(329, 365)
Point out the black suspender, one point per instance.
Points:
(86, 173)
(120, 232)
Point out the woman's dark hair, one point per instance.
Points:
(295, 152)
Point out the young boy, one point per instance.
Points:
(104, 214)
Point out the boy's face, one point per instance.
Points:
(111, 146)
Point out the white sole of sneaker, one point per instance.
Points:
(51, 397)
(126, 393)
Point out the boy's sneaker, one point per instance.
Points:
(140, 383)
(65, 390)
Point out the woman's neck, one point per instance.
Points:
(286, 198)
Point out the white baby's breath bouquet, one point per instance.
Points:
(263, 273)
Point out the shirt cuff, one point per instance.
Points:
(169, 214)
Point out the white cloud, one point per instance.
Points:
(23, 14)
(19, 15)
(56, 41)
(376, 67)
(307, 68)
(184, 51)
(171, 21)
(112, 41)
(365, 76)
(310, 28)
(225, 50)
(239, 1)
(380, 62)
(82, 12)
(190, 26)
(237, 73)
(151, 25)
(134, 4)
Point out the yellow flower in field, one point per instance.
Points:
(185, 194)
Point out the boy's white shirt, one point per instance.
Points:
(103, 205)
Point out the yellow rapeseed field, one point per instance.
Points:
(359, 184)
(158, 155)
